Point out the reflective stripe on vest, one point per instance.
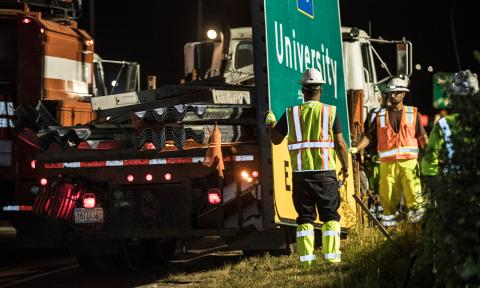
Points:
(311, 150)
(397, 145)
(398, 151)
(298, 132)
(409, 110)
(447, 135)
(303, 145)
(305, 258)
(382, 116)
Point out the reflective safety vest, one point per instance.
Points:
(402, 145)
(310, 136)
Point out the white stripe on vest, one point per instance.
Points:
(325, 133)
(298, 133)
(382, 115)
(447, 135)
(303, 145)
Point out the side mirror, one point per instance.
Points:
(404, 58)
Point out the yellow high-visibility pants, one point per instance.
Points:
(396, 177)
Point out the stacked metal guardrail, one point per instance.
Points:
(164, 123)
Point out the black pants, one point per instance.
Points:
(316, 190)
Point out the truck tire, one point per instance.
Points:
(164, 251)
(143, 254)
(134, 256)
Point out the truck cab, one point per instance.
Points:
(48, 74)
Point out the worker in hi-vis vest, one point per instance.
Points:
(315, 139)
(398, 133)
(440, 149)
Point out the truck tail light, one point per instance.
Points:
(130, 178)
(214, 196)
(89, 200)
(33, 164)
(26, 20)
(149, 177)
(168, 176)
(43, 181)
(247, 176)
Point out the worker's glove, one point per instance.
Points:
(353, 150)
(270, 119)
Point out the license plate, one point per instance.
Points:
(93, 215)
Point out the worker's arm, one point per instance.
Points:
(278, 130)
(422, 137)
(430, 160)
(341, 149)
(422, 141)
(364, 142)
(275, 136)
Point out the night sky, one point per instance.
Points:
(153, 33)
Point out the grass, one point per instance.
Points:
(368, 260)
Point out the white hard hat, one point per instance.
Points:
(397, 84)
(464, 83)
(312, 76)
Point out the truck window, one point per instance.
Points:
(367, 62)
(243, 54)
(8, 58)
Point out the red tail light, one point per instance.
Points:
(149, 177)
(130, 178)
(26, 20)
(89, 200)
(168, 176)
(33, 164)
(43, 181)
(255, 174)
(214, 196)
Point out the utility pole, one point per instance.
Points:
(91, 17)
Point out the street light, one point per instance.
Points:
(212, 34)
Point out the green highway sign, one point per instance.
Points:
(302, 34)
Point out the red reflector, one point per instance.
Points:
(168, 176)
(26, 20)
(130, 178)
(33, 164)
(214, 196)
(43, 181)
(89, 201)
(254, 173)
(149, 177)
